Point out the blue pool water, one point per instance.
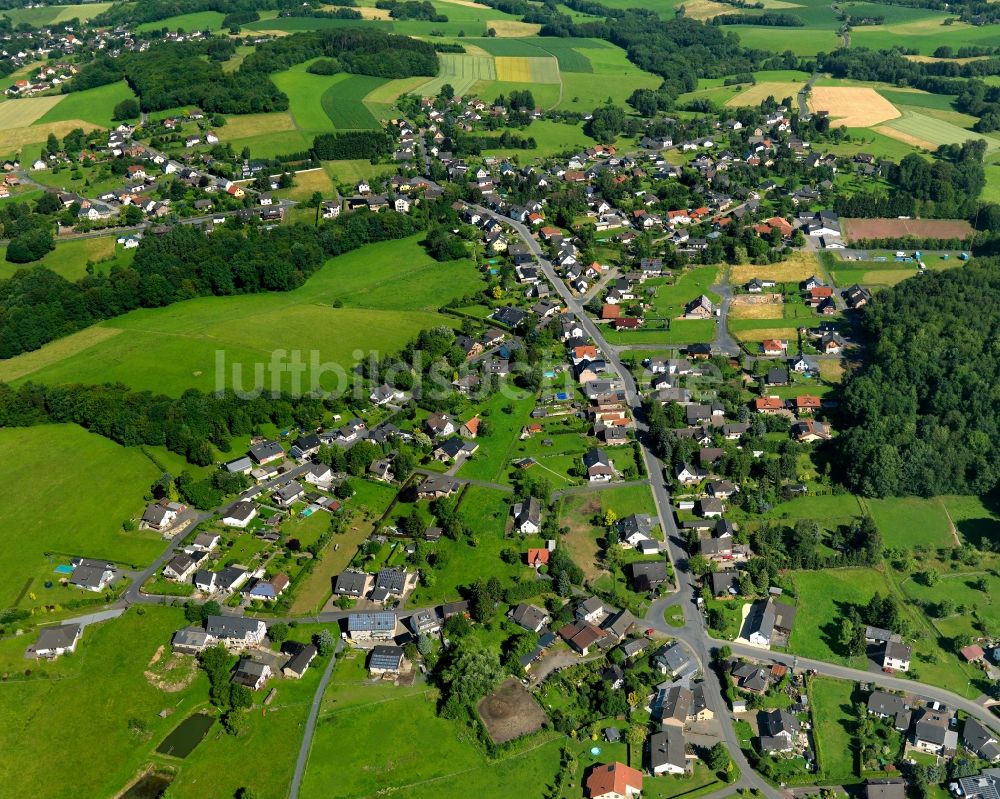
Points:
(64, 569)
(562, 395)
(549, 373)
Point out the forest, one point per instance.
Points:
(38, 306)
(921, 414)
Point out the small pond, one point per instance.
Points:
(186, 735)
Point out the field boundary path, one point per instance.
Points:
(307, 735)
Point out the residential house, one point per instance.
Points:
(779, 730)
(890, 706)
(648, 575)
(302, 655)
(236, 632)
(613, 781)
(55, 641)
(240, 514)
(932, 731)
(581, 635)
(668, 752)
(288, 494)
(91, 575)
(673, 660)
(527, 516)
(378, 626)
(180, 567)
(774, 623)
(600, 469)
(251, 674)
(529, 617)
(386, 660)
(266, 451)
(980, 740)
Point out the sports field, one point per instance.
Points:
(75, 509)
(389, 292)
(461, 70)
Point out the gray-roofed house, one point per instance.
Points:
(725, 583)
(301, 656)
(980, 740)
(885, 789)
(774, 623)
(751, 677)
(180, 567)
(673, 704)
(288, 493)
(191, 641)
(389, 583)
(91, 576)
(231, 578)
(386, 660)
(305, 446)
(55, 641)
(896, 656)
(599, 467)
(890, 706)
(673, 660)
(236, 632)
(266, 451)
(668, 752)
(648, 575)
(985, 785)
(424, 621)
(240, 514)
(529, 617)
(252, 674)
(931, 730)
(527, 516)
(778, 730)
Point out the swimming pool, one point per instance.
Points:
(562, 395)
(64, 569)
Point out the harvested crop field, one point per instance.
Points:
(510, 712)
(12, 139)
(763, 333)
(799, 266)
(21, 113)
(779, 90)
(509, 28)
(862, 229)
(516, 69)
(756, 306)
(852, 106)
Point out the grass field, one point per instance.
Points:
(909, 521)
(77, 509)
(344, 103)
(833, 712)
(70, 258)
(197, 21)
(461, 71)
(798, 266)
(347, 759)
(822, 596)
(925, 131)
(389, 291)
(48, 15)
(977, 519)
(305, 91)
(942, 102)
(93, 105)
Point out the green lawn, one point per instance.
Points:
(909, 521)
(93, 105)
(822, 597)
(70, 258)
(977, 519)
(500, 444)
(485, 512)
(71, 503)
(344, 104)
(98, 689)
(833, 714)
(389, 292)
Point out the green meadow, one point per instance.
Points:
(66, 494)
(389, 291)
(93, 105)
(196, 21)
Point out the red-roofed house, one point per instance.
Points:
(628, 323)
(613, 781)
(972, 653)
(819, 293)
(538, 557)
(548, 232)
(773, 346)
(807, 403)
(769, 404)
